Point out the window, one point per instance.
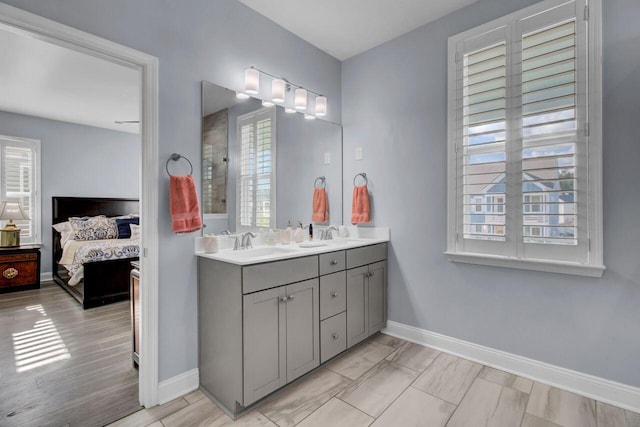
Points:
(525, 165)
(20, 181)
(256, 170)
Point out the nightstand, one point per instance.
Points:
(19, 268)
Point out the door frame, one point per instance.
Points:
(26, 23)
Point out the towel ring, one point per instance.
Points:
(175, 157)
(322, 180)
(363, 175)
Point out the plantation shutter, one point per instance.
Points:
(256, 170)
(18, 183)
(523, 187)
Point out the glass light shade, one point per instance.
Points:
(321, 106)
(277, 90)
(251, 81)
(300, 99)
(12, 210)
(242, 95)
(309, 117)
(266, 103)
(289, 110)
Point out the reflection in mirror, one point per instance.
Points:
(260, 164)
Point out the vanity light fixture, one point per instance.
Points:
(242, 95)
(309, 117)
(279, 87)
(251, 81)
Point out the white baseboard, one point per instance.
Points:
(614, 393)
(178, 386)
(46, 276)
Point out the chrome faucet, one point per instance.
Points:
(225, 233)
(246, 240)
(326, 233)
(236, 244)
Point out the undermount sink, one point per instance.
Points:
(312, 244)
(260, 252)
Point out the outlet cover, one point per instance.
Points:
(358, 153)
(327, 157)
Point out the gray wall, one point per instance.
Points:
(194, 41)
(585, 324)
(77, 161)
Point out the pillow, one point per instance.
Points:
(66, 232)
(94, 228)
(124, 231)
(135, 231)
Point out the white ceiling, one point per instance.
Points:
(344, 28)
(45, 80)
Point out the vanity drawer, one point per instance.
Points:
(271, 274)
(332, 262)
(366, 255)
(333, 294)
(333, 336)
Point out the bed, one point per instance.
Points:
(106, 281)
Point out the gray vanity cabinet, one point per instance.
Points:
(366, 292)
(281, 337)
(263, 325)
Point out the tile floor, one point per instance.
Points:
(386, 381)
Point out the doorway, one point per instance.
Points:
(30, 25)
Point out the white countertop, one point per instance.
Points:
(358, 237)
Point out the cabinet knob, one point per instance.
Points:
(283, 299)
(334, 294)
(334, 336)
(10, 273)
(290, 297)
(334, 262)
(371, 274)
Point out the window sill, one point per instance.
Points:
(215, 216)
(536, 265)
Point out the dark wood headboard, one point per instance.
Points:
(64, 207)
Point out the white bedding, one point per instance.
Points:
(75, 253)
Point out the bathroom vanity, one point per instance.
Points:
(269, 315)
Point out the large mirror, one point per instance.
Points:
(260, 165)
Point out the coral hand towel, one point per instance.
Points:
(320, 206)
(183, 204)
(360, 205)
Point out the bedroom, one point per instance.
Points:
(60, 144)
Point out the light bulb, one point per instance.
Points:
(277, 90)
(309, 117)
(266, 103)
(251, 81)
(301, 99)
(289, 110)
(242, 95)
(321, 106)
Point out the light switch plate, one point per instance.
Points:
(327, 157)
(358, 153)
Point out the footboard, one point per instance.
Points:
(106, 282)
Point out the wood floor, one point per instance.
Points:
(61, 365)
(389, 382)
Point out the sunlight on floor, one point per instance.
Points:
(40, 345)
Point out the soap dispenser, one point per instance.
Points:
(299, 234)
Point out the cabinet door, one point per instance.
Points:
(377, 297)
(357, 298)
(303, 328)
(264, 339)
